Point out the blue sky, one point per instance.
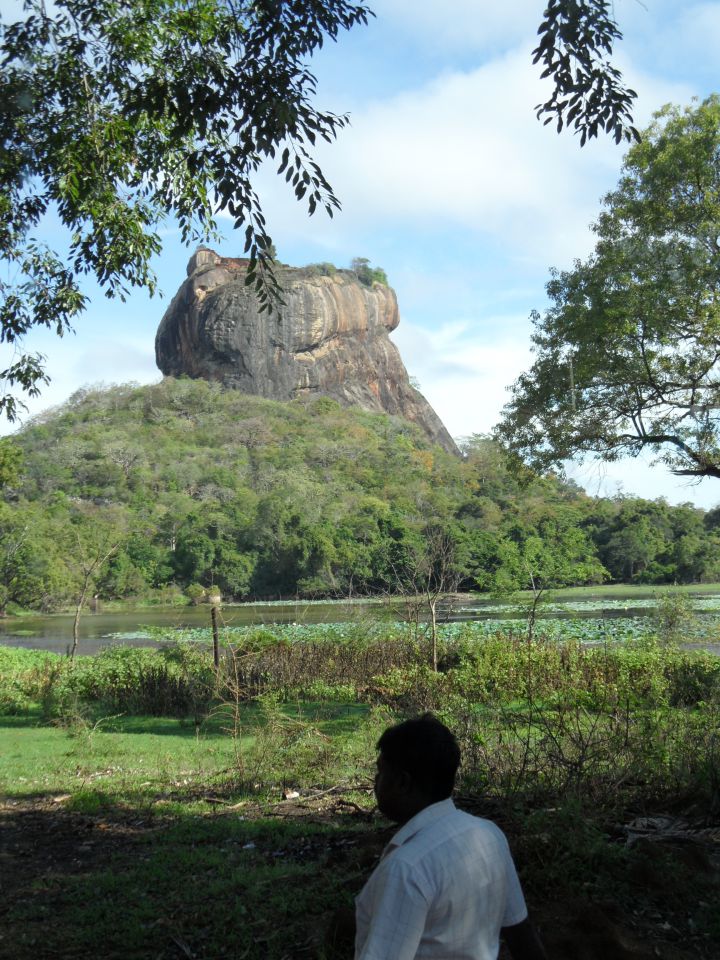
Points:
(450, 184)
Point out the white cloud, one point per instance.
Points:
(465, 150)
(459, 26)
(73, 362)
(463, 373)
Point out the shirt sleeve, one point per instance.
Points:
(515, 909)
(398, 913)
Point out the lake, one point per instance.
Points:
(99, 630)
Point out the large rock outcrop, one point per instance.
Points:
(331, 337)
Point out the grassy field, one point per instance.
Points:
(233, 816)
(129, 757)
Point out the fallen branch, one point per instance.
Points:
(355, 806)
(225, 803)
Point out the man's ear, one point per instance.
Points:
(405, 781)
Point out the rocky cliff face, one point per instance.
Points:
(330, 338)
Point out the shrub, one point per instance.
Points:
(172, 681)
(674, 616)
(23, 678)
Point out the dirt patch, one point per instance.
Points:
(39, 837)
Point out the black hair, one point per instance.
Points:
(427, 750)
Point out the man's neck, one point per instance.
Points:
(413, 809)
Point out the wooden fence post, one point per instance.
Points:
(216, 639)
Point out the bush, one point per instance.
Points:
(260, 661)
(195, 592)
(539, 722)
(366, 274)
(674, 616)
(323, 269)
(23, 678)
(172, 681)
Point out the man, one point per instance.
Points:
(446, 885)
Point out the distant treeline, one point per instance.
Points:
(153, 492)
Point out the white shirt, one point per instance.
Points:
(444, 887)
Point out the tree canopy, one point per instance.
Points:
(627, 354)
(115, 117)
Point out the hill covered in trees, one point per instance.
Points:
(137, 492)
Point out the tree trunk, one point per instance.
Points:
(532, 616)
(433, 632)
(215, 635)
(76, 621)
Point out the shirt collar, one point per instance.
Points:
(421, 820)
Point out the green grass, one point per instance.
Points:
(127, 757)
(138, 838)
(197, 886)
(143, 759)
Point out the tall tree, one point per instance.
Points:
(116, 116)
(10, 463)
(94, 536)
(432, 567)
(32, 569)
(627, 354)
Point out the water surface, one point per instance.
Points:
(99, 630)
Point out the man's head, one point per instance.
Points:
(417, 764)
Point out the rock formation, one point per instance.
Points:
(331, 337)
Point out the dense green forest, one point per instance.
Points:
(157, 492)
